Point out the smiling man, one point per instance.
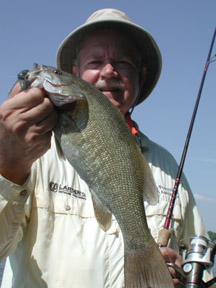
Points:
(111, 62)
(51, 234)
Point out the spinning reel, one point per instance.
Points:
(198, 257)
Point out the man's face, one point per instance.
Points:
(109, 60)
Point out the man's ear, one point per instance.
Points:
(74, 70)
(143, 73)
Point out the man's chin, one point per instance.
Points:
(113, 101)
(118, 105)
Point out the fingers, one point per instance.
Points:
(41, 129)
(26, 121)
(174, 266)
(177, 275)
(27, 109)
(171, 256)
(15, 90)
(26, 99)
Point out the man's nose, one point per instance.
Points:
(109, 70)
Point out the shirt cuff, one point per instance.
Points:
(14, 192)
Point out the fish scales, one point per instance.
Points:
(98, 143)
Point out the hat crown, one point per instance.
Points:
(107, 14)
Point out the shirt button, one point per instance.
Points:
(67, 208)
(23, 193)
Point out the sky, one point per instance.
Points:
(183, 29)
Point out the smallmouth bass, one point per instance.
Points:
(97, 141)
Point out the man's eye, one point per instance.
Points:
(124, 64)
(94, 64)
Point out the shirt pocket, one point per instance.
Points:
(64, 200)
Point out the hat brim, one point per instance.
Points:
(66, 53)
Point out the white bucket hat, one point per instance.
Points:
(116, 19)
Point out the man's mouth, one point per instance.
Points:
(109, 89)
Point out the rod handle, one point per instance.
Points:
(163, 237)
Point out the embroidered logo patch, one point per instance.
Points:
(59, 188)
(166, 193)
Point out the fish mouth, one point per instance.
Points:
(66, 107)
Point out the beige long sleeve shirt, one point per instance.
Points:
(49, 229)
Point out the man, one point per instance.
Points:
(47, 219)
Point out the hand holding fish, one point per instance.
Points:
(26, 121)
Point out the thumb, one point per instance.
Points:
(15, 90)
(21, 84)
(171, 256)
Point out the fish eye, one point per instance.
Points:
(56, 71)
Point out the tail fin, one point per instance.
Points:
(146, 270)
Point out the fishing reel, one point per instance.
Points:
(198, 257)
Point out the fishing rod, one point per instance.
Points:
(164, 234)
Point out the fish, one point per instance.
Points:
(96, 140)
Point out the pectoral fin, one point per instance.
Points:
(102, 214)
(150, 189)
